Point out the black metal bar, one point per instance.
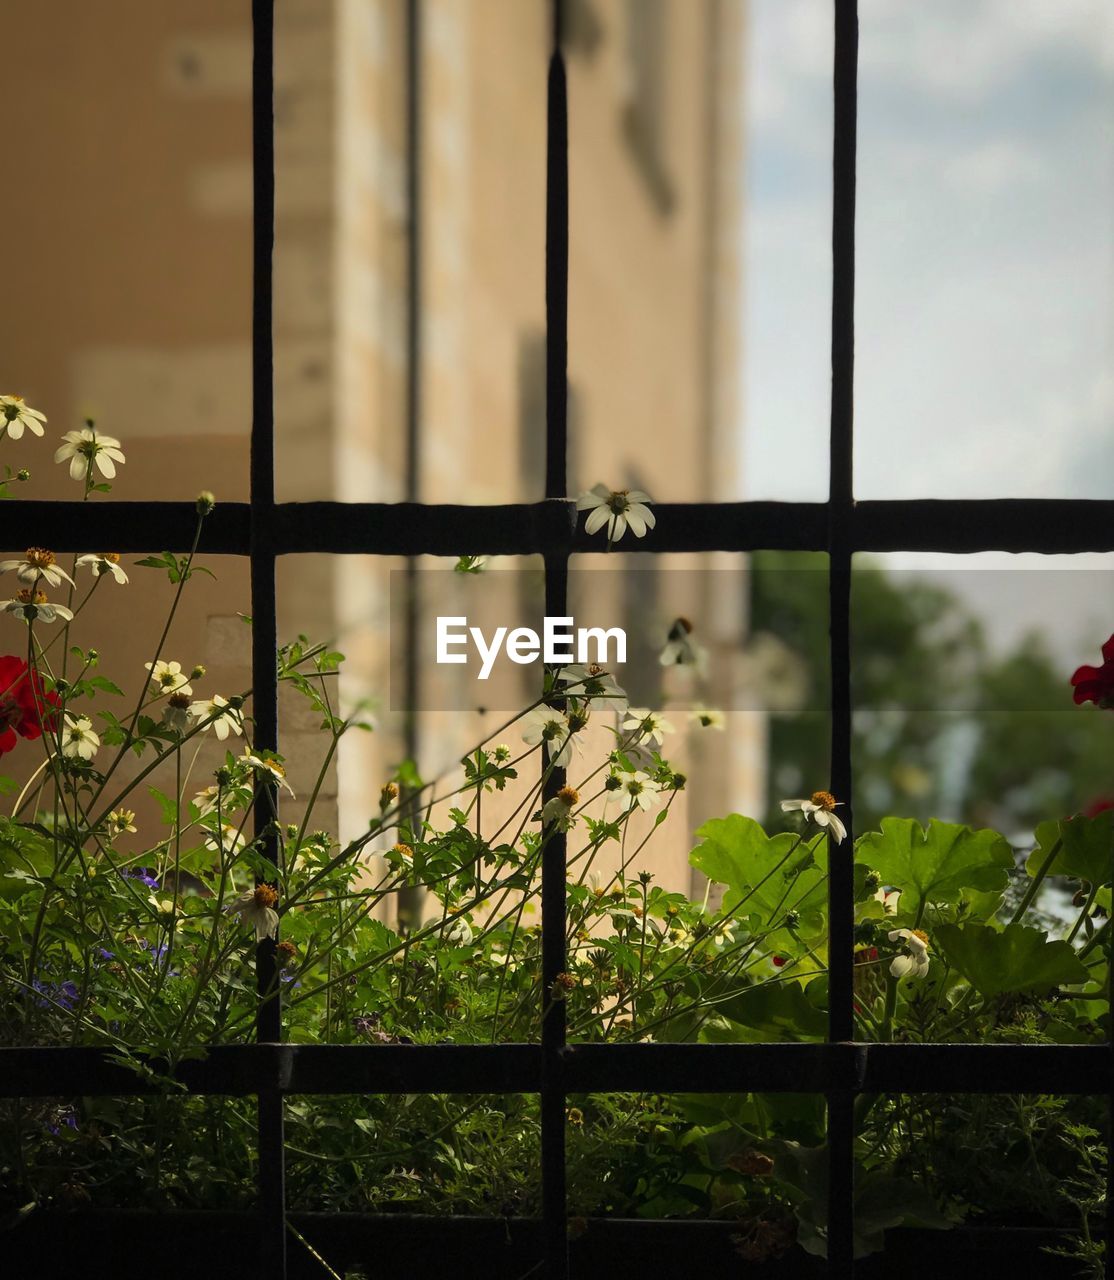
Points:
(1048, 526)
(272, 1191)
(841, 899)
(241, 1070)
(553, 1027)
(413, 353)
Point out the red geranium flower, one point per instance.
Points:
(23, 704)
(1096, 684)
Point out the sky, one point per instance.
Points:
(985, 264)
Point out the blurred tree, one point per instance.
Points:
(941, 728)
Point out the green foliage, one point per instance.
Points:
(936, 865)
(1015, 958)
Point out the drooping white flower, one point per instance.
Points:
(16, 415)
(257, 907)
(819, 809)
(913, 963)
(37, 565)
(222, 717)
(591, 681)
(88, 448)
(459, 933)
(176, 714)
(168, 677)
(681, 648)
(32, 605)
(79, 742)
(889, 900)
(619, 509)
(548, 725)
(707, 717)
(636, 788)
(649, 725)
(558, 809)
(104, 562)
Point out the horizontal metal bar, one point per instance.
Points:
(516, 1068)
(1048, 526)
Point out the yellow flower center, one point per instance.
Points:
(113, 557)
(618, 502)
(27, 596)
(569, 796)
(824, 800)
(179, 701)
(39, 557)
(920, 933)
(265, 896)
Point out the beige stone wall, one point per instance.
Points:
(132, 292)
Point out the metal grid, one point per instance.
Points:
(264, 530)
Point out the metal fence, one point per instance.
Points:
(263, 530)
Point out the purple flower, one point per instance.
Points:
(143, 874)
(54, 994)
(66, 1116)
(105, 955)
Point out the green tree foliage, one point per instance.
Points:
(943, 728)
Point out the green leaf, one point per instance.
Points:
(1016, 959)
(168, 806)
(1086, 848)
(938, 864)
(779, 1009)
(759, 869)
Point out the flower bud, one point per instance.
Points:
(197, 672)
(205, 502)
(23, 474)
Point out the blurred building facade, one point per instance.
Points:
(134, 279)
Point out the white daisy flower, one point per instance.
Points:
(270, 767)
(914, 962)
(558, 810)
(168, 677)
(79, 742)
(650, 725)
(637, 788)
(592, 681)
(231, 839)
(34, 604)
(707, 717)
(222, 717)
(121, 821)
(206, 799)
(88, 448)
(104, 562)
(17, 415)
(257, 907)
(37, 565)
(619, 509)
(819, 810)
(545, 724)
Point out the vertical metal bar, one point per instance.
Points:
(554, 1198)
(272, 1207)
(409, 898)
(413, 342)
(841, 910)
